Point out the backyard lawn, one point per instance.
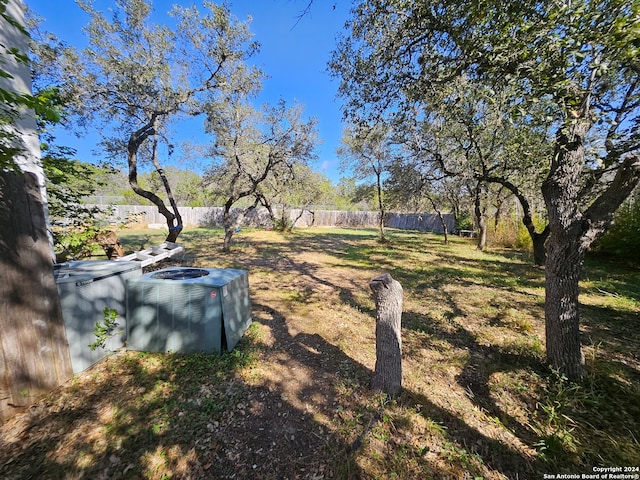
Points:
(292, 401)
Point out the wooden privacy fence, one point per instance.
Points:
(212, 217)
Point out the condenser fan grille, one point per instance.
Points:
(180, 274)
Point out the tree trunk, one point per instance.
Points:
(445, 230)
(564, 254)
(174, 222)
(230, 223)
(481, 220)
(137, 138)
(497, 216)
(571, 233)
(284, 224)
(388, 370)
(34, 354)
(272, 214)
(174, 231)
(381, 207)
(226, 246)
(562, 317)
(456, 215)
(299, 216)
(538, 240)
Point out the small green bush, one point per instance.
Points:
(105, 330)
(511, 233)
(623, 238)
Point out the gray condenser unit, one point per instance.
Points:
(187, 310)
(86, 288)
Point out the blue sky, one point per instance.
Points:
(294, 53)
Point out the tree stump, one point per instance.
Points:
(388, 371)
(109, 241)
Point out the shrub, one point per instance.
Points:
(511, 233)
(623, 238)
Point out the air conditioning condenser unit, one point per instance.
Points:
(187, 310)
(86, 288)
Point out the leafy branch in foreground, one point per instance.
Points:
(105, 330)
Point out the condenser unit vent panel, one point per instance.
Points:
(180, 274)
(187, 310)
(86, 288)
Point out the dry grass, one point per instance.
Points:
(292, 401)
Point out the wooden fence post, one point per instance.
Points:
(388, 371)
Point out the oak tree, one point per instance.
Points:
(366, 151)
(255, 149)
(477, 134)
(137, 78)
(580, 58)
(33, 345)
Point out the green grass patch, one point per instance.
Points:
(293, 400)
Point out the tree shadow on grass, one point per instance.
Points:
(334, 367)
(157, 415)
(616, 330)
(449, 269)
(575, 425)
(480, 363)
(519, 361)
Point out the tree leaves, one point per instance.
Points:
(556, 49)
